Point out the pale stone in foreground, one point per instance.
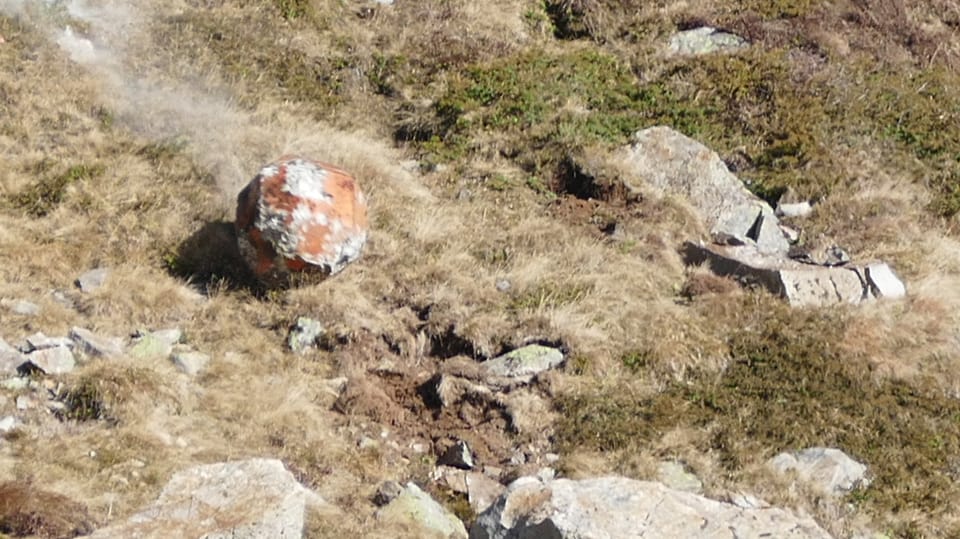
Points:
(251, 499)
(704, 40)
(524, 363)
(616, 507)
(416, 510)
(829, 470)
(93, 345)
(883, 282)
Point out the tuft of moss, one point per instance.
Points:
(50, 190)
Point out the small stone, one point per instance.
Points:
(482, 491)
(830, 470)
(335, 386)
(451, 478)
(156, 344)
(188, 361)
(93, 345)
(675, 475)
(8, 423)
(883, 282)
(795, 209)
(524, 363)
(503, 285)
(551, 458)
(15, 383)
(304, 334)
(457, 455)
(387, 492)
(21, 307)
(704, 40)
(55, 360)
(24, 402)
(39, 341)
(417, 510)
(93, 279)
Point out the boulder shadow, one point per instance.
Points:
(210, 259)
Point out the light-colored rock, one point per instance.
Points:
(304, 334)
(616, 507)
(801, 284)
(829, 470)
(704, 40)
(53, 360)
(415, 509)
(21, 307)
(387, 492)
(8, 423)
(39, 341)
(250, 499)
(189, 361)
(299, 215)
(672, 164)
(10, 358)
(524, 363)
(93, 279)
(450, 478)
(482, 491)
(883, 282)
(674, 475)
(794, 209)
(156, 344)
(92, 345)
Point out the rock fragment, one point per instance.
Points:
(829, 470)
(304, 334)
(674, 475)
(93, 279)
(457, 455)
(300, 216)
(883, 282)
(50, 360)
(524, 363)
(188, 361)
(415, 509)
(21, 307)
(156, 344)
(704, 40)
(94, 345)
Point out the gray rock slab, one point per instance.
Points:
(883, 282)
(672, 164)
(482, 491)
(93, 345)
(189, 361)
(156, 344)
(621, 507)
(55, 360)
(415, 509)
(829, 470)
(250, 499)
(525, 362)
(21, 307)
(800, 284)
(458, 455)
(10, 358)
(704, 40)
(39, 341)
(93, 279)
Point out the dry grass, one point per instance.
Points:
(134, 164)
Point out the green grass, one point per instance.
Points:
(50, 190)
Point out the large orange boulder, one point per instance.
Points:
(300, 216)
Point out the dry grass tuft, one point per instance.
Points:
(26, 510)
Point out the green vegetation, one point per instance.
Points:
(51, 188)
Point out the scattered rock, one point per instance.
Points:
(524, 363)
(457, 455)
(704, 40)
(671, 163)
(25, 402)
(243, 500)
(39, 341)
(304, 334)
(21, 307)
(482, 491)
(93, 279)
(188, 361)
(829, 470)
(155, 344)
(826, 255)
(883, 282)
(674, 475)
(8, 423)
(620, 507)
(417, 510)
(10, 358)
(298, 215)
(800, 284)
(794, 209)
(93, 345)
(52, 360)
(451, 478)
(388, 491)
(503, 285)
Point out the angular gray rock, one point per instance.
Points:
(156, 344)
(10, 358)
(704, 40)
(51, 360)
(93, 279)
(188, 361)
(524, 363)
(800, 284)
(19, 306)
(620, 507)
(457, 455)
(674, 475)
(250, 499)
(304, 334)
(93, 345)
(829, 470)
(482, 491)
(883, 282)
(671, 163)
(416, 510)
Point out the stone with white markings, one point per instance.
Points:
(304, 334)
(524, 363)
(704, 40)
(883, 282)
(93, 345)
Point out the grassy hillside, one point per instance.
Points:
(479, 132)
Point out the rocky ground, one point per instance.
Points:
(683, 270)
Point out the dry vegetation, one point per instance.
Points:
(506, 108)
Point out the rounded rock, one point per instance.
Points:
(299, 216)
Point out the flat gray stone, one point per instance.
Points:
(21, 307)
(93, 279)
(189, 362)
(621, 507)
(93, 345)
(39, 341)
(415, 509)
(675, 475)
(829, 470)
(54, 360)
(156, 344)
(525, 362)
(704, 40)
(883, 282)
(251, 499)
(482, 491)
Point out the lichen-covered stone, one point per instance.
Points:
(300, 216)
